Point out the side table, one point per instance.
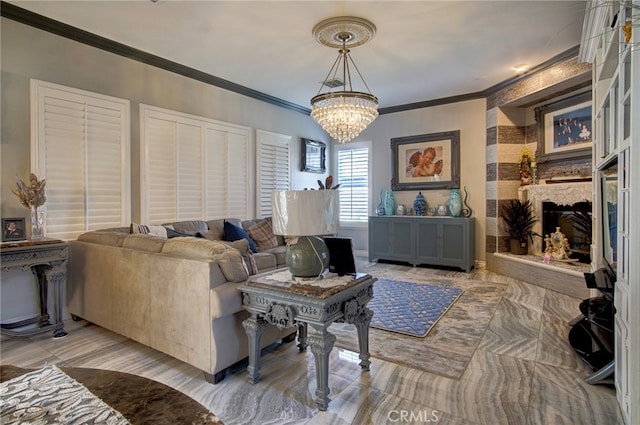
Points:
(273, 298)
(47, 260)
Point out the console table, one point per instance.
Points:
(273, 298)
(441, 241)
(47, 260)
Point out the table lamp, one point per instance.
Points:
(303, 215)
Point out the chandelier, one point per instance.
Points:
(343, 113)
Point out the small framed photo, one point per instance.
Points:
(565, 129)
(427, 161)
(13, 229)
(312, 158)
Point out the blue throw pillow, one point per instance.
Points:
(232, 233)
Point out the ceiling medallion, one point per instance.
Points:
(345, 113)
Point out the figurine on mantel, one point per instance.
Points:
(557, 246)
(526, 170)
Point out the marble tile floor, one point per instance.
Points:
(523, 370)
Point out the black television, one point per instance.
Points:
(341, 259)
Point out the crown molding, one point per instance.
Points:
(26, 17)
(35, 20)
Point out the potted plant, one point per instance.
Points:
(519, 218)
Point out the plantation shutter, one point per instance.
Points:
(80, 145)
(273, 168)
(353, 177)
(193, 168)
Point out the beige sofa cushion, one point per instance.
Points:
(229, 259)
(147, 243)
(104, 238)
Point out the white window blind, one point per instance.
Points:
(273, 168)
(193, 168)
(353, 177)
(80, 145)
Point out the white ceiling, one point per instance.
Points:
(423, 50)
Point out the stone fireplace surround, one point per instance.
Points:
(564, 278)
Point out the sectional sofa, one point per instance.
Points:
(178, 295)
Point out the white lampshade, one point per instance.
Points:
(305, 212)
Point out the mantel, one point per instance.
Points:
(558, 193)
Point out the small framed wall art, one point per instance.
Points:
(13, 229)
(312, 157)
(564, 129)
(426, 161)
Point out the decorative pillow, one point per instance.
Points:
(242, 245)
(262, 234)
(233, 233)
(143, 229)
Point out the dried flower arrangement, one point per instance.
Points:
(31, 195)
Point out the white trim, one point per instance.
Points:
(39, 90)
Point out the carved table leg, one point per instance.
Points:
(302, 336)
(254, 326)
(40, 271)
(321, 343)
(362, 322)
(57, 276)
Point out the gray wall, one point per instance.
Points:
(31, 53)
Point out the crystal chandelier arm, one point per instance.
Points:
(346, 72)
(332, 73)
(359, 75)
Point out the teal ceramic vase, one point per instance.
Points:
(420, 204)
(380, 208)
(389, 203)
(455, 203)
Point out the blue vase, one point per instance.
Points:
(455, 203)
(389, 203)
(420, 204)
(380, 209)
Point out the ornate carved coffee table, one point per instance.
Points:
(275, 299)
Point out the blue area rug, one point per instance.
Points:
(409, 308)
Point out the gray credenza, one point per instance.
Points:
(441, 241)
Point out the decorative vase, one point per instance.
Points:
(380, 208)
(389, 203)
(455, 203)
(37, 222)
(443, 209)
(420, 204)
(466, 211)
(516, 247)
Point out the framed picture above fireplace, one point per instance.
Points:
(565, 129)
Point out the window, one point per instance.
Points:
(353, 177)
(192, 168)
(80, 145)
(272, 159)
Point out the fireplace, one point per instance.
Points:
(574, 221)
(560, 205)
